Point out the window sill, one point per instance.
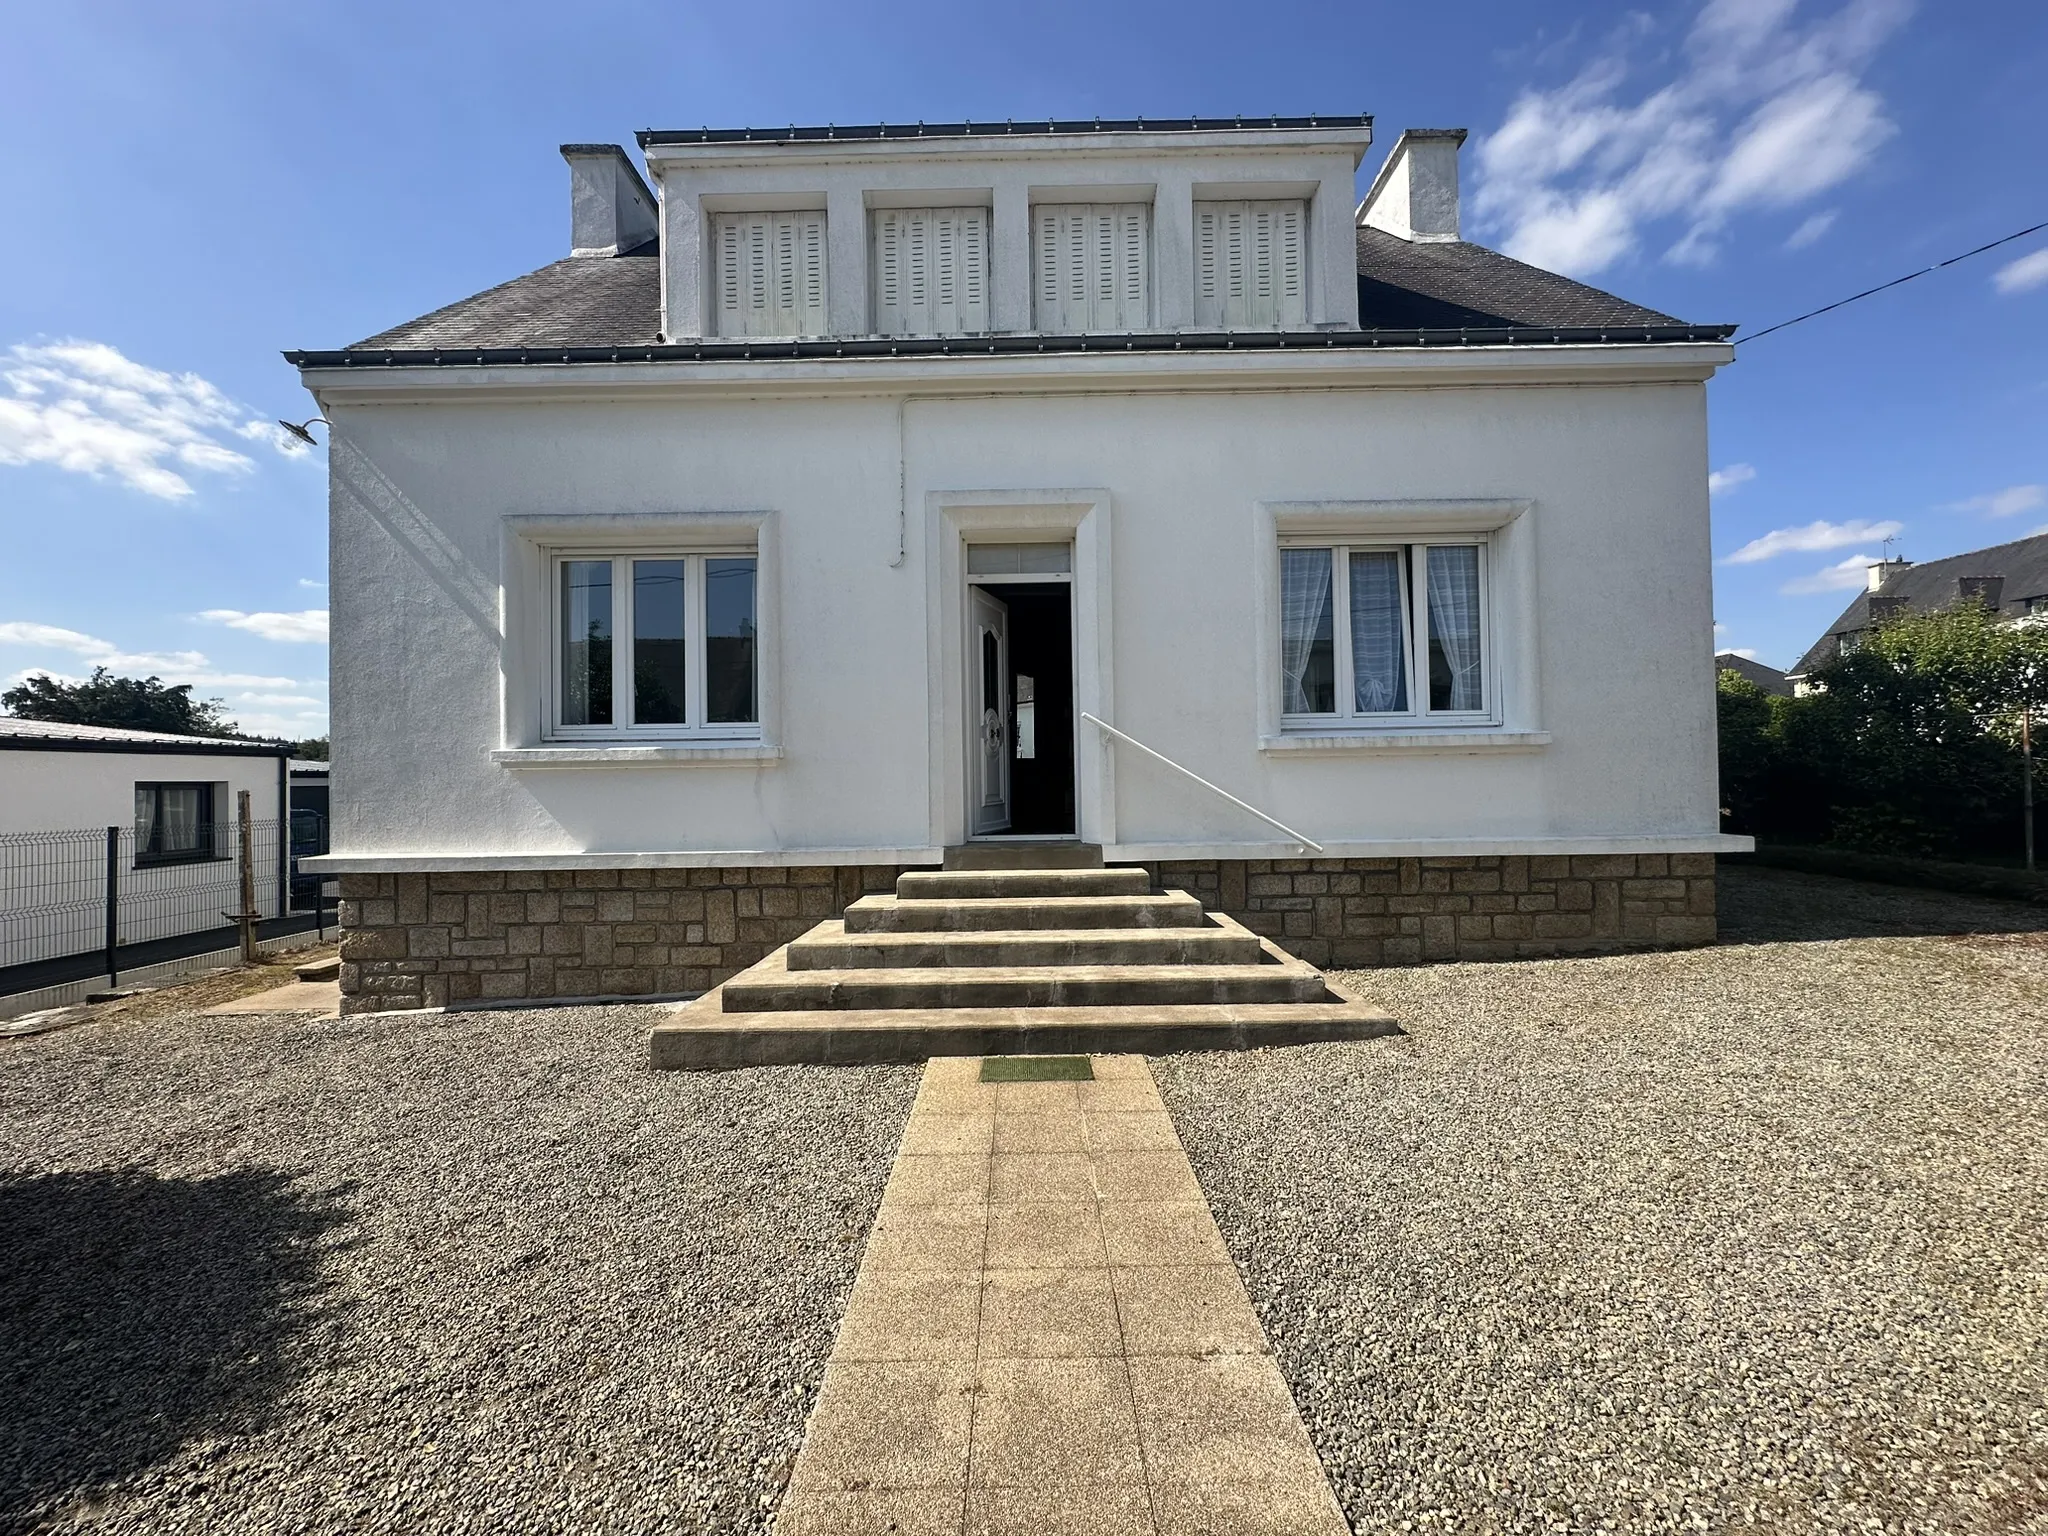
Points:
(612, 756)
(1482, 739)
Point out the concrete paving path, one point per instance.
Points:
(1047, 1337)
(322, 997)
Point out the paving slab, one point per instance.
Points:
(1048, 1337)
(321, 997)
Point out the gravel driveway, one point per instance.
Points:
(481, 1272)
(1748, 1238)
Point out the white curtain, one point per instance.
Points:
(1454, 621)
(145, 818)
(181, 818)
(1379, 664)
(1304, 603)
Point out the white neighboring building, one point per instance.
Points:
(172, 800)
(809, 517)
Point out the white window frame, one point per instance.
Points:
(1513, 639)
(694, 726)
(1415, 634)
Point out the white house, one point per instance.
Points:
(155, 812)
(851, 494)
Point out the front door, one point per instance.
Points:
(989, 717)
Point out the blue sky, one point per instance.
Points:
(193, 188)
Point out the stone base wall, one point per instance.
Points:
(426, 940)
(1350, 913)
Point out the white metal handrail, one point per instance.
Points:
(1306, 842)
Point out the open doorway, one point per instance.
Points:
(1022, 676)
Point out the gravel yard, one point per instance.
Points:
(479, 1273)
(1748, 1238)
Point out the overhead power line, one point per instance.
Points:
(1880, 288)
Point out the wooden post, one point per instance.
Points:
(246, 827)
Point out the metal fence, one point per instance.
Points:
(94, 890)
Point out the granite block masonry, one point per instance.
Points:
(429, 939)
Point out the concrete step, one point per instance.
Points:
(894, 914)
(830, 947)
(1015, 884)
(772, 987)
(328, 969)
(1032, 855)
(703, 1036)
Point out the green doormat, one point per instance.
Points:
(1036, 1069)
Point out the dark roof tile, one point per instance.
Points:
(1453, 283)
(1932, 585)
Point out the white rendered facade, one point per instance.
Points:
(856, 485)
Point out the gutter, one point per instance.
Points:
(162, 748)
(713, 350)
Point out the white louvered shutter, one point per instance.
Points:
(1093, 267)
(931, 271)
(770, 273)
(1251, 265)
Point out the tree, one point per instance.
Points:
(1908, 744)
(312, 750)
(128, 703)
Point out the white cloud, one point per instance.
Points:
(308, 626)
(318, 586)
(1845, 576)
(1810, 537)
(1761, 113)
(2030, 271)
(172, 666)
(1722, 481)
(2010, 502)
(1746, 652)
(84, 407)
(1810, 230)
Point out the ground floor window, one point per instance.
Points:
(656, 644)
(173, 822)
(1380, 634)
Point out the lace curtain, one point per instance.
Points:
(1454, 623)
(1304, 605)
(1379, 661)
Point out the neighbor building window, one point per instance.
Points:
(656, 644)
(930, 271)
(770, 272)
(173, 822)
(1092, 267)
(1373, 635)
(1251, 265)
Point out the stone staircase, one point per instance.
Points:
(982, 962)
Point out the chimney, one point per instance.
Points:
(1415, 194)
(1881, 571)
(610, 209)
(1988, 590)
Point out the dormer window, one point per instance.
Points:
(1251, 267)
(770, 272)
(1092, 267)
(930, 271)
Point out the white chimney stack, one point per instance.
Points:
(1878, 572)
(1415, 195)
(610, 208)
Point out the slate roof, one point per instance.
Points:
(1410, 294)
(1770, 679)
(1935, 584)
(58, 736)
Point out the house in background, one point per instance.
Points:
(157, 810)
(2009, 579)
(1770, 679)
(853, 494)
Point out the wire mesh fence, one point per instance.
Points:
(100, 889)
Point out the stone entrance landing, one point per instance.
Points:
(1047, 1337)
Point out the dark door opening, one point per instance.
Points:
(1041, 733)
